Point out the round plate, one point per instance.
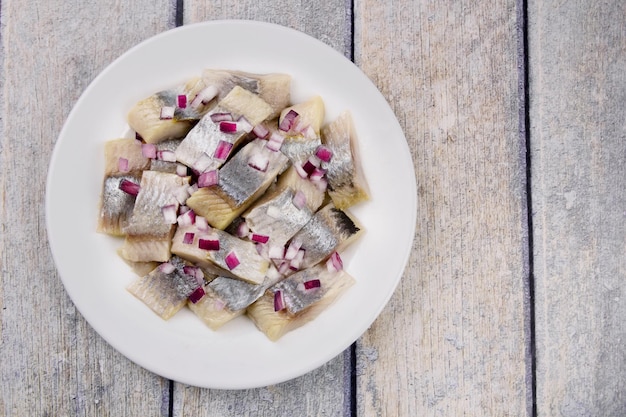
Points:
(237, 356)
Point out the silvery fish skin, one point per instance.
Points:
(236, 294)
(329, 230)
(303, 138)
(165, 293)
(202, 141)
(165, 166)
(346, 179)
(116, 206)
(212, 310)
(158, 189)
(275, 88)
(239, 185)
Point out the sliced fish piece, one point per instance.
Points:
(296, 304)
(207, 146)
(146, 248)
(329, 230)
(344, 173)
(116, 206)
(146, 116)
(161, 165)
(242, 180)
(300, 125)
(157, 190)
(124, 156)
(236, 294)
(275, 89)
(212, 310)
(166, 289)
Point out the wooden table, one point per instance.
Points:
(514, 299)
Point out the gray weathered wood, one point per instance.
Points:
(453, 341)
(324, 391)
(578, 135)
(52, 363)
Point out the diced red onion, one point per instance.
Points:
(149, 150)
(202, 163)
(276, 252)
(262, 249)
(300, 170)
(129, 187)
(275, 141)
(223, 150)
(195, 272)
(196, 295)
(279, 301)
(334, 263)
(259, 238)
(288, 120)
(122, 164)
(167, 112)
(228, 127)
(183, 209)
(202, 224)
(166, 155)
(170, 213)
(204, 96)
(259, 161)
(317, 174)
(167, 268)
(296, 262)
(244, 125)
(260, 131)
(181, 170)
(321, 184)
(188, 238)
(309, 166)
(309, 133)
(292, 249)
(192, 189)
(312, 284)
(324, 153)
(299, 199)
(187, 218)
(221, 117)
(181, 101)
(232, 261)
(209, 244)
(209, 178)
(242, 229)
(283, 267)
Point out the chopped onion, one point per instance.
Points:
(275, 141)
(167, 112)
(324, 153)
(167, 156)
(149, 150)
(187, 218)
(192, 189)
(317, 174)
(276, 252)
(195, 272)
(288, 120)
(170, 213)
(293, 249)
(181, 170)
(311, 284)
(259, 238)
(181, 101)
(204, 96)
(296, 262)
(334, 263)
(129, 187)
(202, 224)
(299, 199)
(260, 131)
(300, 170)
(202, 163)
(242, 229)
(232, 261)
(196, 295)
(167, 268)
(262, 249)
(122, 164)
(188, 238)
(223, 150)
(228, 127)
(321, 184)
(209, 244)
(283, 267)
(279, 301)
(209, 178)
(244, 125)
(309, 166)
(221, 117)
(259, 161)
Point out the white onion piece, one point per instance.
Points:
(334, 263)
(260, 131)
(202, 224)
(293, 249)
(170, 213)
(259, 161)
(202, 163)
(221, 117)
(275, 141)
(167, 268)
(167, 156)
(181, 170)
(187, 218)
(276, 252)
(244, 125)
(167, 112)
(204, 96)
(209, 178)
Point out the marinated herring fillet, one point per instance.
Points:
(146, 248)
(241, 181)
(209, 143)
(124, 156)
(300, 125)
(297, 300)
(212, 310)
(116, 205)
(346, 180)
(167, 115)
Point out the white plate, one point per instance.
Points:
(238, 355)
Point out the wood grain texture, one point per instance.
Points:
(52, 363)
(453, 340)
(324, 391)
(577, 54)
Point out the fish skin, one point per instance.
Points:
(346, 179)
(116, 206)
(275, 324)
(165, 166)
(300, 141)
(203, 139)
(212, 311)
(329, 230)
(236, 294)
(158, 189)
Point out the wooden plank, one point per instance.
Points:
(578, 136)
(324, 391)
(52, 363)
(454, 339)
